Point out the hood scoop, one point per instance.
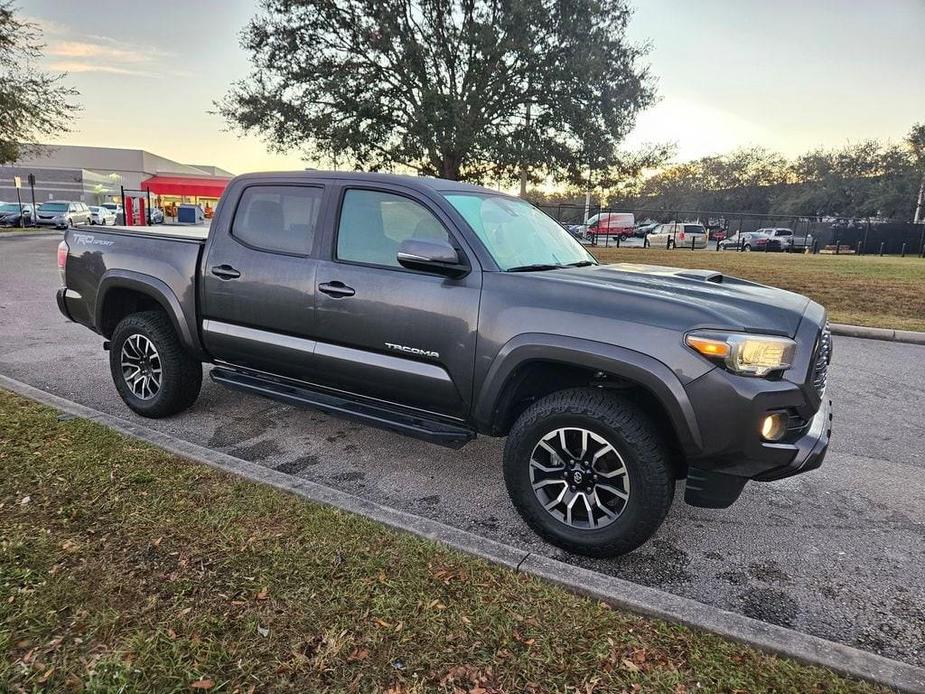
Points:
(705, 275)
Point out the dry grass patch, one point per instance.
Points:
(123, 568)
(886, 292)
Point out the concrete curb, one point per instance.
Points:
(20, 234)
(910, 336)
(615, 591)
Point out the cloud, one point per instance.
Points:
(87, 53)
(77, 66)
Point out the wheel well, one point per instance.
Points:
(119, 303)
(537, 379)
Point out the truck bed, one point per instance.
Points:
(166, 258)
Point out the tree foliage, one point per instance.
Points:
(33, 103)
(461, 89)
(867, 179)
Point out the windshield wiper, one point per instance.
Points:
(532, 268)
(581, 263)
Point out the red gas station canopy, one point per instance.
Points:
(186, 185)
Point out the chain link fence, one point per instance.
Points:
(842, 236)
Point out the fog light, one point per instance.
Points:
(774, 426)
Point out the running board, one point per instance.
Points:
(374, 414)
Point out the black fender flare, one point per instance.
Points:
(158, 290)
(628, 364)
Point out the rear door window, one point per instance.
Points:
(279, 219)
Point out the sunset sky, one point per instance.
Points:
(789, 75)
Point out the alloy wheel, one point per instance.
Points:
(579, 478)
(141, 366)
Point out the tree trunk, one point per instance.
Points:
(449, 167)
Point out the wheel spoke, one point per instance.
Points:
(613, 490)
(619, 472)
(568, 509)
(562, 443)
(553, 468)
(557, 500)
(546, 483)
(603, 507)
(607, 448)
(591, 520)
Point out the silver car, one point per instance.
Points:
(62, 214)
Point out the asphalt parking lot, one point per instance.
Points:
(838, 553)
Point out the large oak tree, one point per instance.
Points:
(461, 89)
(33, 103)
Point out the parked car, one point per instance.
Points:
(644, 229)
(12, 214)
(716, 232)
(102, 215)
(746, 241)
(446, 311)
(678, 235)
(782, 239)
(62, 214)
(156, 215)
(611, 224)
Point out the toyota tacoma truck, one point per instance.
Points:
(445, 311)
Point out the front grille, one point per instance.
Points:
(822, 359)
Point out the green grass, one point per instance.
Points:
(123, 568)
(886, 292)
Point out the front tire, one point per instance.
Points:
(588, 471)
(154, 375)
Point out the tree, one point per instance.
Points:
(444, 87)
(33, 103)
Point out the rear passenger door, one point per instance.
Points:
(386, 332)
(258, 279)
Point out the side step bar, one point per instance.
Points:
(374, 414)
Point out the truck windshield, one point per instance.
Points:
(518, 236)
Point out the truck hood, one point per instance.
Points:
(684, 298)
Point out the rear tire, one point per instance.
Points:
(153, 373)
(627, 508)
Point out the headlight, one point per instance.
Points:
(741, 353)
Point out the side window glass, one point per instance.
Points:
(373, 225)
(278, 218)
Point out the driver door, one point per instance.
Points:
(387, 332)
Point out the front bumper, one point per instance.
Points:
(729, 410)
(719, 487)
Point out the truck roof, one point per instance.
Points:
(416, 182)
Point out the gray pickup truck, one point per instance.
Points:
(443, 311)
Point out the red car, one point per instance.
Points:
(612, 224)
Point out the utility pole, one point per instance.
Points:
(918, 207)
(523, 163)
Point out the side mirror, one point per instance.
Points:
(431, 256)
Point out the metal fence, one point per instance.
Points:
(856, 236)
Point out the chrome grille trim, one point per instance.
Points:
(822, 359)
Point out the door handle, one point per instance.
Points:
(336, 289)
(225, 272)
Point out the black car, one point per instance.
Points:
(14, 215)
